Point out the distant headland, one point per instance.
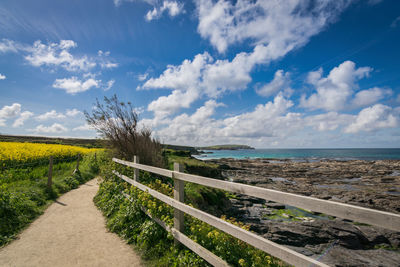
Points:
(225, 147)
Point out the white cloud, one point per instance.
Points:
(328, 121)
(119, 2)
(22, 118)
(374, 2)
(167, 105)
(84, 127)
(54, 115)
(281, 25)
(271, 120)
(12, 111)
(9, 112)
(203, 76)
(281, 81)
(184, 79)
(102, 53)
(108, 65)
(142, 77)
(50, 115)
(58, 55)
(182, 76)
(225, 75)
(373, 118)
(72, 112)
(55, 128)
(195, 127)
(172, 7)
(8, 46)
(150, 2)
(371, 96)
(73, 85)
(2, 77)
(104, 61)
(334, 91)
(138, 110)
(394, 24)
(110, 84)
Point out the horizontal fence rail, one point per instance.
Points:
(382, 219)
(276, 250)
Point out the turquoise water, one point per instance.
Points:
(306, 154)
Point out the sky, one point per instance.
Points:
(270, 74)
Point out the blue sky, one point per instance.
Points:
(272, 74)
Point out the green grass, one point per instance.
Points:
(387, 247)
(294, 214)
(24, 194)
(191, 165)
(202, 197)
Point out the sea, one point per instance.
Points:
(305, 154)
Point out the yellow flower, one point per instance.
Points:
(14, 152)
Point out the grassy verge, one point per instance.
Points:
(205, 198)
(125, 218)
(24, 194)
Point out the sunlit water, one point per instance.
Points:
(306, 154)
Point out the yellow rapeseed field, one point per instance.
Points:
(29, 152)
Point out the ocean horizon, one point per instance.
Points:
(305, 154)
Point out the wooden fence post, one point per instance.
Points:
(50, 177)
(95, 156)
(135, 170)
(179, 190)
(77, 162)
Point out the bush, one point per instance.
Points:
(71, 182)
(118, 123)
(16, 210)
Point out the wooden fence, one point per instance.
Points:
(363, 215)
(50, 172)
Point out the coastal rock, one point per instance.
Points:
(373, 184)
(339, 256)
(317, 232)
(337, 242)
(275, 205)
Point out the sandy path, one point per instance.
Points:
(70, 233)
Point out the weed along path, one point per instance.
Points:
(71, 232)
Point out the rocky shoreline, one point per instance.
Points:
(335, 241)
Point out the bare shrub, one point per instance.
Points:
(118, 123)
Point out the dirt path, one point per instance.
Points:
(70, 233)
